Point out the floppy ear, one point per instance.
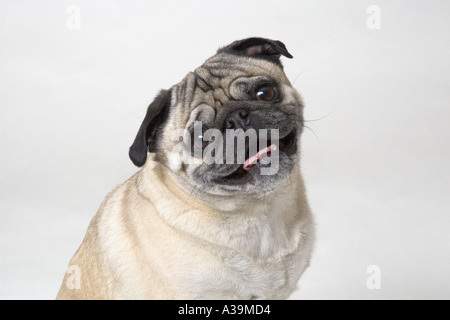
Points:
(259, 48)
(146, 138)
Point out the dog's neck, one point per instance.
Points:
(265, 231)
(232, 204)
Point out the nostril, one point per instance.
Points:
(243, 113)
(239, 119)
(230, 124)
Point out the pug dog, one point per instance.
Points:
(218, 210)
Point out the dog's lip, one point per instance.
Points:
(289, 132)
(238, 176)
(288, 143)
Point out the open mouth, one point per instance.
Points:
(243, 173)
(288, 144)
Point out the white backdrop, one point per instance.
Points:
(76, 78)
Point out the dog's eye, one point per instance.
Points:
(198, 138)
(200, 141)
(265, 93)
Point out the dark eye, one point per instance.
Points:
(265, 93)
(200, 141)
(198, 138)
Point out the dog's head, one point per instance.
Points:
(230, 126)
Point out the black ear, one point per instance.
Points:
(146, 138)
(259, 48)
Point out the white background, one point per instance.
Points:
(375, 159)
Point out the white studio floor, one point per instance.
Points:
(76, 78)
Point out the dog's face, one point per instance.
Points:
(231, 126)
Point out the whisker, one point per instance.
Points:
(317, 138)
(314, 120)
(298, 75)
(194, 188)
(325, 116)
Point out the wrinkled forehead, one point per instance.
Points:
(217, 80)
(221, 70)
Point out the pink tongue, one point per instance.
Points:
(253, 160)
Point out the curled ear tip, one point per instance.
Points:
(286, 54)
(284, 50)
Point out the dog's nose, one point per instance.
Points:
(238, 119)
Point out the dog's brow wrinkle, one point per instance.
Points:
(220, 95)
(202, 83)
(190, 87)
(205, 72)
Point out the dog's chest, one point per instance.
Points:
(259, 261)
(257, 278)
(229, 274)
